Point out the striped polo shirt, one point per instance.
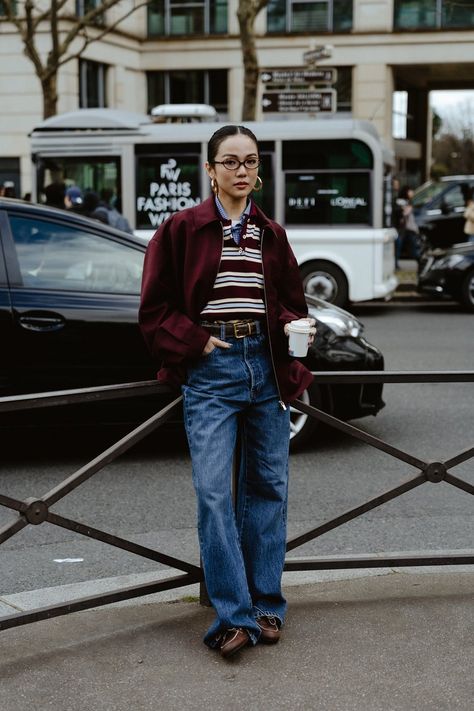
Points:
(238, 289)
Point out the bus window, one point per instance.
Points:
(327, 198)
(97, 174)
(318, 155)
(167, 181)
(265, 198)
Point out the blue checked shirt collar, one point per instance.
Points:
(239, 226)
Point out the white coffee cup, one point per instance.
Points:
(298, 332)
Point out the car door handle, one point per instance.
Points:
(41, 322)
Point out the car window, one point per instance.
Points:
(426, 192)
(56, 256)
(454, 197)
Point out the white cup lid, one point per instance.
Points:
(300, 326)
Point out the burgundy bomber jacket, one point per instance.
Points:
(181, 264)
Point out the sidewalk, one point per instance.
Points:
(391, 639)
(407, 282)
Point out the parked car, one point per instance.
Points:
(439, 210)
(449, 273)
(69, 295)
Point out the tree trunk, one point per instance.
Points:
(50, 95)
(246, 16)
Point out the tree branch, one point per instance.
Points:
(88, 40)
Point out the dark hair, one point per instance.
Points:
(404, 192)
(221, 134)
(90, 202)
(55, 193)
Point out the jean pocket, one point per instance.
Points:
(206, 356)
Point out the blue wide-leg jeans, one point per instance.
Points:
(242, 550)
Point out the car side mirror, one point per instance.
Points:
(445, 209)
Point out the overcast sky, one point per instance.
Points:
(446, 101)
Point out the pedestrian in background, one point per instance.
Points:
(73, 199)
(469, 216)
(55, 195)
(109, 212)
(220, 285)
(408, 241)
(9, 189)
(397, 215)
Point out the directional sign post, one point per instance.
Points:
(326, 75)
(314, 55)
(299, 101)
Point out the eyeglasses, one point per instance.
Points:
(234, 164)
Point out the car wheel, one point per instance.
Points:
(467, 290)
(302, 426)
(326, 281)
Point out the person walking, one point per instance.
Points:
(469, 216)
(73, 199)
(409, 234)
(107, 212)
(220, 284)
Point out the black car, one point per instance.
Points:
(69, 295)
(449, 273)
(439, 210)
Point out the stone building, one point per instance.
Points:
(189, 51)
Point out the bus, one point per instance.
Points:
(327, 181)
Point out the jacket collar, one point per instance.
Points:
(206, 212)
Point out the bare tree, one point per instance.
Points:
(247, 14)
(64, 28)
(453, 145)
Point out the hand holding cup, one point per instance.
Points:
(301, 334)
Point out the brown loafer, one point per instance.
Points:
(269, 631)
(233, 639)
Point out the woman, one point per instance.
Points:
(220, 283)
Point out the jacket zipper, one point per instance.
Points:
(280, 400)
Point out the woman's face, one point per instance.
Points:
(238, 183)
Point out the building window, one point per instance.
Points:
(429, 14)
(85, 6)
(188, 87)
(10, 174)
(343, 87)
(187, 17)
(92, 92)
(3, 11)
(400, 114)
(309, 16)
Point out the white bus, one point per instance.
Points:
(327, 181)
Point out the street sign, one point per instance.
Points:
(299, 101)
(328, 75)
(314, 55)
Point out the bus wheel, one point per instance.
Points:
(326, 281)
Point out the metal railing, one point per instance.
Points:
(35, 511)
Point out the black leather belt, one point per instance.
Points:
(233, 329)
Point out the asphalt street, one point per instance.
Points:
(147, 494)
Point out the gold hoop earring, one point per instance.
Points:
(259, 182)
(214, 187)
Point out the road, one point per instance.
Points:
(147, 494)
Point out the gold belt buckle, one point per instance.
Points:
(247, 331)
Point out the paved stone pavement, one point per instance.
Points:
(397, 640)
